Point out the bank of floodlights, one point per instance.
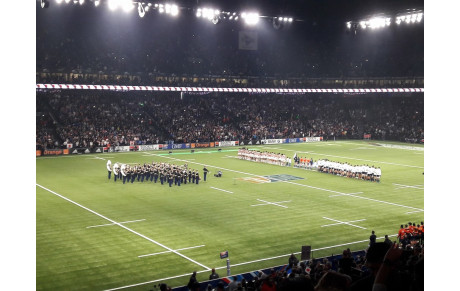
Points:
(408, 18)
(381, 21)
(280, 21)
(213, 15)
(170, 9)
(250, 18)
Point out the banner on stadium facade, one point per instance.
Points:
(149, 147)
(313, 139)
(272, 141)
(367, 135)
(292, 140)
(56, 152)
(121, 149)
(202, 145)
(38, 153)
(69, 145)
(226, 143)
(99, 150)
(176, 146)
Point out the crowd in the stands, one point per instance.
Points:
(94, 118)
(387, 265)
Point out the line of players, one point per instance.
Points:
(264, 157)
(411, 233)
(363, 172)
(163, 172)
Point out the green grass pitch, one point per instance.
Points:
(185, 228)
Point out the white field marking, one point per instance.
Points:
(348, 194)
(154, 254)
(222, 190)
(114, 224)
(401, 186)
(122, 226)
(272, 203)
(414, 211)
(362, 148)
(302, 185)
(341, 222)
(232, 157)
(241, 264)
(356, 159)
(344, 222)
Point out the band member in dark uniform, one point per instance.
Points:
(156, 173)
(134, 174)
(162, 176)
(205, 172)
(123, 172)
(115, 172)
(197, 177)
(190, 176)
(170, 178)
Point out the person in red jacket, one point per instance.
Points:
(268, 284)
(401, 234)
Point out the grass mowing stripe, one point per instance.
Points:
(122, 226)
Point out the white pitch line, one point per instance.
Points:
(272, 203)
(122, 226)
(240, 264)
(344, 222)
(301, 185)
(414, 211)
(222, 190)
(401, 186)
(154, 254)
(348, 194)
(114, 224)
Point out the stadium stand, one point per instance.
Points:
(90, 119)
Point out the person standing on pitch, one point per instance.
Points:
(205, 172)
(109, 168)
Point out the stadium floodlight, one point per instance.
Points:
(363, 24)
(290, 19)
(97, 2)
(349, 24)
(44, 4)
(376, 22)
(58, 1)
(251, 18)
(127, 5)
(113, 4)
(198, 13)
(174, 10)
(81, 2)
(140, 9)
(161, 8)
(67, 1)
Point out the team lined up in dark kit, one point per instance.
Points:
(164, 172)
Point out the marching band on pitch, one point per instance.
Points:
(155, 172)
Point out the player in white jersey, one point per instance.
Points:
(109, 168)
